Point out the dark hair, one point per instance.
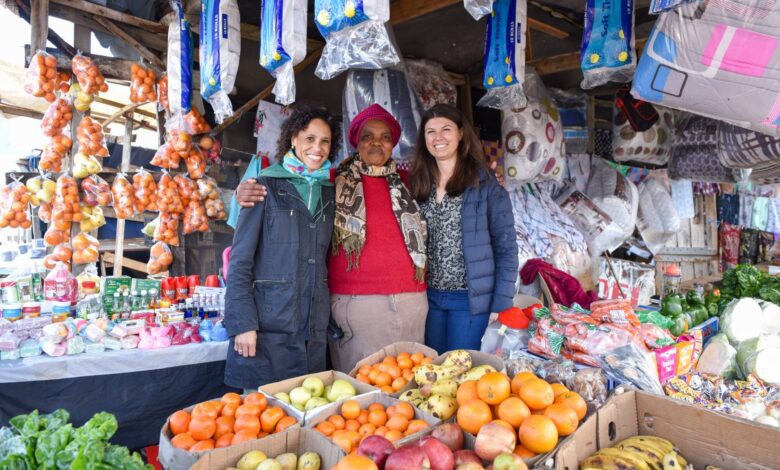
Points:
(299, 119)
(470, 159)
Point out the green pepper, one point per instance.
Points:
(711, 301)
(698, 314)
(693, 298)
(671, 306)
(680, 325)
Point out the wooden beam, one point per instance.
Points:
(120, 261)
(569, 61)
(126, 110)
(12, 110)
(39, 24)
(61, 44)
(91, 8)
(110, 67)
(264, 93)
(116, 104)
(132, 42)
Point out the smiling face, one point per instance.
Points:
(442, 138)
(312, 144)
(376, 143)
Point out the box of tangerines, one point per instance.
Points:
(391, 368)
(348, 422)
(233, 419)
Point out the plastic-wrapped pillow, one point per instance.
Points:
(431, 83)
(608, 53)
(220, 51)
(179, 67)
(504, 67)
(533, 138)
(657, 219)
(615, 195)
(283, 43)
(652, 146)
(355, 36)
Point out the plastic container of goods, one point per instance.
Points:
(12, 311)
(60, 311)
(9, 293)
(31, 310)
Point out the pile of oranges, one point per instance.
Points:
(539, 412)
(394, 372)
(229, 421)
(354, 424)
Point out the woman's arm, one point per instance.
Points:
(502, 240)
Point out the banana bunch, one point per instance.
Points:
(638, 452)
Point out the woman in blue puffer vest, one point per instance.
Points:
(472, 252)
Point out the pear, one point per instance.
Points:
(288, 461)
(251, 460)
(283, 396)
(34, 184)
(269, 464)
(315, 402)
(309, 461)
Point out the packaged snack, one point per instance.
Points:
(196, 163)
(162, 89)
(168, 200)
(142, 83)
(591, 385)
(84, 165)
(65, 207)
(15, 206)
(96, 192)
(630, 364)
(85, 249)
(124, 200)
(195, 123)
(56, 117)
(167, 230)
(195, 218)
(220, 51)
(90, 136)
(188, 189)
(166, 157)
(54, 153)
(89, 76)
(557, 370)
(654, 336)
(160, 258)
(145, 192)
(41, 78)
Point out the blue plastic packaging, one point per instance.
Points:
(608, 53)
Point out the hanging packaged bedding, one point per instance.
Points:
(220, 51)
(283, 43)
(719, 59)
(742, 148)
(533, 138)
(608, 53)
(657, 219)
(478, 8)
(431, 83)
(390, 89)
(653, 145)
(614, 194)
(355, 36)
(504, 67)
(694, 153)
(179, 67)
(573, 106)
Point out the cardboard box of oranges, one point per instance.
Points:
(186, 437)
(393, 366)
(346, 423)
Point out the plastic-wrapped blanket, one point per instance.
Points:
(220, 51)
(653, 145)
(390, 89)
(355, 36)
(744, 148)
(719, 59)
(431, 83)
(478, 8)
(614, 194)
(283, 43)
(608, 53)
(657, 219)
(504, 68)
(694, 153)
(533, 138)
(179, 67)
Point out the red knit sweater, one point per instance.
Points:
(385, 265)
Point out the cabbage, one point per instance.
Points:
(771, 318)
(765, 365)
(719, 358)
(742, 320)
(752, 346)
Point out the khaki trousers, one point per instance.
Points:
(371, 322)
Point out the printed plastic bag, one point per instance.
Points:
(652, 146)
(608, 52)
(657, 218)
(56, 117)
(142, 82)
(160, 257)
(533, 138)
(220, 50)
(124, 199)
(617, 196)
(15, 206)
(188, 189)
(431, 83)
(54, 153)
(195, 218)
(144, 192)
(355, 36)
(41, 78)
(65, 207)
(92, 218)
(505, 55)
(41, 189)
(90, 78)
(96, 192)
(168, 200)
(85, 249)
(283, 43)
(209, 194)
(167, 230)
(196, 163)
(478, 8)
(179, 66)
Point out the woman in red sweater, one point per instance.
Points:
(376, 268)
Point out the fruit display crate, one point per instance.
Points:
(703, 437)
(327, 377)
(297, 441)
(393, 350)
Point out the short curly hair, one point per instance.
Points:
(299, 120)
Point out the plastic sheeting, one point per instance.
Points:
(478, 8)
(283, 43)
(608, 53)
(615, 195)
(390, 89)
(657, 219)
(179, 67)
(533, 138)
(505, 45)
(652, 146)
(220, 51)
(355, 36)
(718, 59)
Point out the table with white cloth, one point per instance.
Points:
(141, 387)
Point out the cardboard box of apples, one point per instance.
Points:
(308, 393)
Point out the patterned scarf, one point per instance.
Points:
(295, 166)
(350, 224)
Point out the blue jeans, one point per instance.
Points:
(450, 323)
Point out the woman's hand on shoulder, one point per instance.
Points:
(499, 176)
(246, 343)
(250, 192)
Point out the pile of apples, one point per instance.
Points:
(313, 393)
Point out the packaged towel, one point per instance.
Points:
(10, 355)
(504, 65)
(75, 345)
(220, 51)
(728, 209)
(657, 219)
(179, 67)
(608, 53)
(29, 348)
(283, 43)
(760, 217)
(355, 36)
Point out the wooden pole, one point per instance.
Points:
(39, 25)
(125, 166)
(97, 10)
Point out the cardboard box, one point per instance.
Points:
(327, 377)
(297, 441)
(708, 329)
(393, 350)
(172, 458)
(704, 437)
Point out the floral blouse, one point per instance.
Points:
(446, 264)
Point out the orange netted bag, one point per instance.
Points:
(124, 197)
(85, 249)
(195, 218)
(55, 236)
(188, 189)
(195, 123)
(58, 116)
(96, 192)
(166, 157)
(65, 207)
(145, 192)
(41, 78)
(167, 230)
(209, 194)
(54, 153)
(168, 200)
(142, 82)
(160, 257)
(92, 142)
(196, 163)
(15, 206)
(90, 78)
(162, 89)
